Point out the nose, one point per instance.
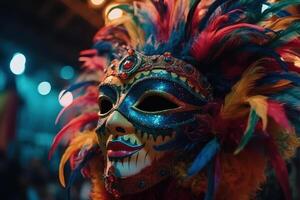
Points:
(118, 124)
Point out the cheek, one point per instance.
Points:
(150, 143)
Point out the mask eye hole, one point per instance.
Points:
(155, 103)
(105, 105)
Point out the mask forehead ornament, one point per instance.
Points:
(136, 62)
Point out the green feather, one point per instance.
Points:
(285, 35)
(276, 7)
(252, 121)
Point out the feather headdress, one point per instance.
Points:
(248, 54)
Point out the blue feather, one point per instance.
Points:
(205, 155)
(103, 47)
(283, 13)
(293, 116)
(253, 7)
(289, 97)
(274, 77)
(210, 193)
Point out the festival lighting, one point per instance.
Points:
(97, 2)
(115, 14)
(17, 64)
(65, 99)
(67, 72)
(44, 88)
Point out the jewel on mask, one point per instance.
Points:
(111, 183)
(130, 52)
(116, 194)
(123, 75)
(115, 63)
(189, 69)
(168, 57)
(128, 64)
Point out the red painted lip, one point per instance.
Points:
(119, 149)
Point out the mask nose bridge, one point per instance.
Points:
(118, 125)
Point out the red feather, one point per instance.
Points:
(165, 16)
(86, 100)
(277, 112)
(89, 52)
(199, 13)
(73, 126)
(213, 34)
(93, 63)
(280, 168)
(112, 33)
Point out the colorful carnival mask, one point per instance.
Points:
(145, 101)
(186, 100)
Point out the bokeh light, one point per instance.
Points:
(17, 64)
(2, 80)
(97, 2)
(67, 72)
(44, 88)
(115, 14)
(65, 99)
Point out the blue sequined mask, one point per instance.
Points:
(146, 104)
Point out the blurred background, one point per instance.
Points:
(40, 41)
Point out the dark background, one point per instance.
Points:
(50, 34)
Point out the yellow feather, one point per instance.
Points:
(281, 23)
(85, 139)
(260, 105)
(135, 33)
(235, 104)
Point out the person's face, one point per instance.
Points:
(140, 114)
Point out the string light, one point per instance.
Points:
(67, 72)
(65, 98)
(97, 2)
(44, 88)
(17, 64)
(115, 14)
